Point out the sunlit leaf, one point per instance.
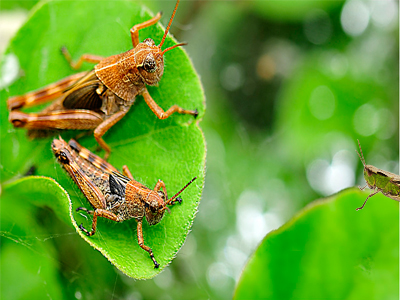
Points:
(172, 150)
(329, 251)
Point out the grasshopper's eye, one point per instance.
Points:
(63, 158)
(149, 64)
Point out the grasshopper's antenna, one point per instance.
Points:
(362, 155)
(172, 47)
(177, 194)
(169, 25)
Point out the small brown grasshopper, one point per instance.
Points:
(113, 195)
(98, 99)
(385, 182)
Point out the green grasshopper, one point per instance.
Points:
(380, 181)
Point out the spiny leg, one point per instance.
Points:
(160, 113)
(135, 29)
(90, 212)
(95, 59)
(369, 196)
(127, 172)
(104, 127)
(161, 185)
(46, 94)
(142, 245)
(362, 188)
(99, 213)
(64, 119)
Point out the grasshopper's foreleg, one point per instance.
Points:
(135, 28)
(160, 113)
(142, 245)
(369, 196)
(95, 59)
(362, 188)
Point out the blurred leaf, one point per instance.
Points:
(321, 111)
(172, 150)
(329, 251)
(17, 4)
(24, 255)
(291, 11)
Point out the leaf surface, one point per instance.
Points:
(329, 251)
(172, 150)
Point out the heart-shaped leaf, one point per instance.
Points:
(329, 251)
(172, 150)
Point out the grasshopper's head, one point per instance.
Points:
(155, 207)
(158, 202)
(369, 171)
(149, 57)
(61, 151)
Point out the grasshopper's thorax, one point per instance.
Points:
(149, 61)
(370, 175)
(127, 73)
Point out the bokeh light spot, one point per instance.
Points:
(387, 124)
(322, 103)
(217, 275)
(384, 13)
(317, 27)
(165, 279)
(328, 178)
(232, 77)
(355, 17)
(366, 120)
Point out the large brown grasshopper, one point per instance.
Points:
(98, 99)
(113, 195)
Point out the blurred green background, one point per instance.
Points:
(290, 86)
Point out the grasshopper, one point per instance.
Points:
(382, 181)
(98, 99)
(113, 195)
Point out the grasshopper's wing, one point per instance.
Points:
(91, 157)
(88, 188)
(394, 179)
(118, 184)
(84, 94)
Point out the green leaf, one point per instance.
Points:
(329, 251)
(291, 11)
(172, 150)
(24, 254)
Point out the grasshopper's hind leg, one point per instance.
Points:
(80, 119)
(43, 95)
